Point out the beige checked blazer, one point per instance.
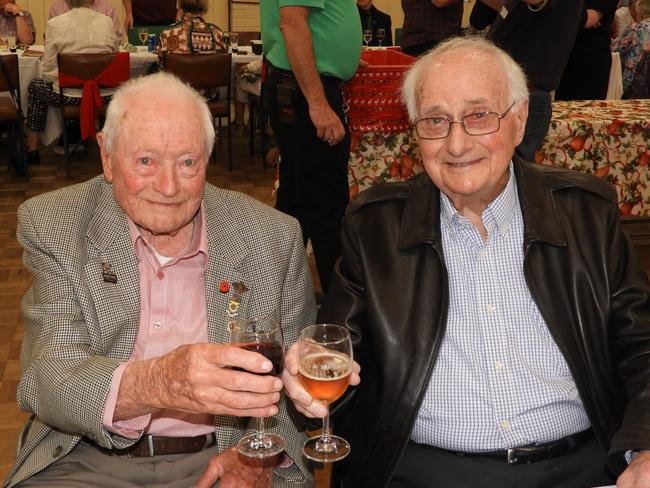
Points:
(79, 327)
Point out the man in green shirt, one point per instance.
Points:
(311, 46)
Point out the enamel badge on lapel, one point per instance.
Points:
(234, 303)
(107, 273)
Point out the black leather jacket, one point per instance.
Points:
(391, 289)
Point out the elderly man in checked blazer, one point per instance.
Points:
(126, 365)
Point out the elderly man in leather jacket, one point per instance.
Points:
(498, 310)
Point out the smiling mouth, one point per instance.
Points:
(463, 164)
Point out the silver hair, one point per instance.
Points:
(162, 82)
(414, 79)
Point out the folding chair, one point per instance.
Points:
(206, 72)
(89, 71)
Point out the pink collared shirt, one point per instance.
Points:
(172, 313)
(59, 7)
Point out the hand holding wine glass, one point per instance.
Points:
(325, 366)
(263, 336)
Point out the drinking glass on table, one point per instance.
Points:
(234, 41)
(381, 35)
(11, 39)
(325, 365)
(143, 34)
(367, 36)
(263, 336)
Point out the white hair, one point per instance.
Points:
(494, 58)
(160, 83)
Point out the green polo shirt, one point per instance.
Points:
(335, 30)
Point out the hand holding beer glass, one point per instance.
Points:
(325, 365)
(263, 336)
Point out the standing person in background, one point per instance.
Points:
(17, 20)
(312, 47)
(539, 35)
(149, 12)
(427, 22)
(105, 7)
(586, 74)
(372, 18)
(633, 44)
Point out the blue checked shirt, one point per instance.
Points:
(499, 380)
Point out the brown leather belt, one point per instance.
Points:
(535, 452)
(149, 445)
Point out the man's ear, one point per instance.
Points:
(106, 160)
(521, 116)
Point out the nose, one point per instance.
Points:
(166, 181)
(458, 141)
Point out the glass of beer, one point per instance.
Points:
(325, 365)
(263, 336)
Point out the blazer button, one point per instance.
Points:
(57, 452)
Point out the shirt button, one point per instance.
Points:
(160, 275)
(482, 253)
(157, 324)
(490, 308)
(498, 365)
(505, 425)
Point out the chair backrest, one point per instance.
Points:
(11, 63)
(134, 36)
(201, 71)
(84, 65)
(245, 37)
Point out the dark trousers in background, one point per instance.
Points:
(539, 120)
(313, 176)
(424, 466)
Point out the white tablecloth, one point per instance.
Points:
(615, 86)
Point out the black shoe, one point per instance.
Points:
(33, 157)
(17, 166)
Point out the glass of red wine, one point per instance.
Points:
(263, 336)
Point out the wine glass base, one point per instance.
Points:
(335, 450)
(252, 446)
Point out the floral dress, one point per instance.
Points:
(632, 44)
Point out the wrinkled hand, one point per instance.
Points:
(199, 378)
(593, 19)
(302, 400)
(128, 21)
(637, 474)
(236, 471)
(328, 126)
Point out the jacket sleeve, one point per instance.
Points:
(63, 382)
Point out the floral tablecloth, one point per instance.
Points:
(610, 139)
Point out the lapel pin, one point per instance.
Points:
(224, 287)
(107, 273)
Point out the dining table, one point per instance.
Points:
(607, 138)
(30, 67)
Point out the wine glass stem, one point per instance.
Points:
(260, 433)
(325, 436)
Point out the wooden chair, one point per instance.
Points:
(206, 73)
(75, 70)
(11, 111)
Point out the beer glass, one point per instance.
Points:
(263, 336)
(325, 365)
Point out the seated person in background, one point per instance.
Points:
(623, 17)
(80, 30)
(17, 20)
(247, 82)
(191, 34)
(498, 310)
(373, 18)
(105, 7)
(137, 274)
(634, 44)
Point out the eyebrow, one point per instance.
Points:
(437, 109)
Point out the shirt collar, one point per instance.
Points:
(199, 243)
(500, 210)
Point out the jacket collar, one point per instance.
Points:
(421, 219)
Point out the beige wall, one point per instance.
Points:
(217, 13)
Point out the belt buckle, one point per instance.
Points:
(511, 456)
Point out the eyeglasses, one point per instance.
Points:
(476, 124)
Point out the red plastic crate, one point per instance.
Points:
(373, 94)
